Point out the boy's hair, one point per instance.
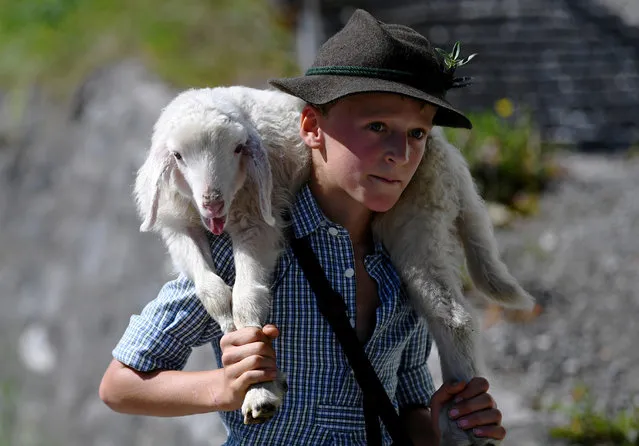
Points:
(324, 108)
(370, 56)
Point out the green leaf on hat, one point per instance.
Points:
(451, 60)
(456, 49)
(441, 52)
(465, 61)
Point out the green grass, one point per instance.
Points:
(8, 407)
(589, 427)
(56, 43)
(507, 158)
(633, 151)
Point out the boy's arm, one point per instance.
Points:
(162, 393)
(248, 358)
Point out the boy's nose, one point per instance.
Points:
(397, 151)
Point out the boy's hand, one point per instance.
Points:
(474, 408)
(248, 358)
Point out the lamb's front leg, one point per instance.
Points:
(452, 326)
(191, 254)
(255, 259)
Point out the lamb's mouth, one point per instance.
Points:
(215, 224)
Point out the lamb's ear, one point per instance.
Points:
(155, 172)
(259, 168)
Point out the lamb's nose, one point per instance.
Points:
(214, 195)
(214, 206)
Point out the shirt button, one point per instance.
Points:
(350, 272)
(332, 231)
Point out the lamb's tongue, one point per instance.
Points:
(216, 225)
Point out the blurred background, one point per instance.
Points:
(554, 152)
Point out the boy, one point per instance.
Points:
(373, 94)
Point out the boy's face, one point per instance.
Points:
(368, 146)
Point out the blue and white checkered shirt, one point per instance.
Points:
(324, 403)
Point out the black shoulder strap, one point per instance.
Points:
(331, 305)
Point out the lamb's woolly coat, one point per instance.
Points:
(439, 217)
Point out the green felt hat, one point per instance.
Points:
(371, 56)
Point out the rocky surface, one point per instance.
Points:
(73, 267)
(580, 257)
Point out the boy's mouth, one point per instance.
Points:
(385, 180)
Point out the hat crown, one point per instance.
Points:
(369, 56)
(390, 49)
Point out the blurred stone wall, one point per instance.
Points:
(627, 10)
(574, 63)
(73, 266)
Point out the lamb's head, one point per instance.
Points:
(213, 155)
(204, 148)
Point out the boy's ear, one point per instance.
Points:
(310, 129)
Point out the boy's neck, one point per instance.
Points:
(340, 209)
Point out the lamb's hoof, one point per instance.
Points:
(262, 400)
(259, 415)
(453, 435)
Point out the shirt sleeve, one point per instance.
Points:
(415, 383)
(163, 335)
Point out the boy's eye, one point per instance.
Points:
(376, 126)
(417, 133)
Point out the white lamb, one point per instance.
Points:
(226, 159)
(230, 159)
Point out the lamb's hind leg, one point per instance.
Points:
(455, 334)
(254, 263)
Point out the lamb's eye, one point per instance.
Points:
(239, 148)
(177, 156)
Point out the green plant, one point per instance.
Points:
(451, 60)
(55, 43)
(589, 427)
(506, 156)
(8, 407)
(633, 151)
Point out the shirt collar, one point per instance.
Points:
(307, 217)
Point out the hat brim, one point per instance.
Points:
(321, 89)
